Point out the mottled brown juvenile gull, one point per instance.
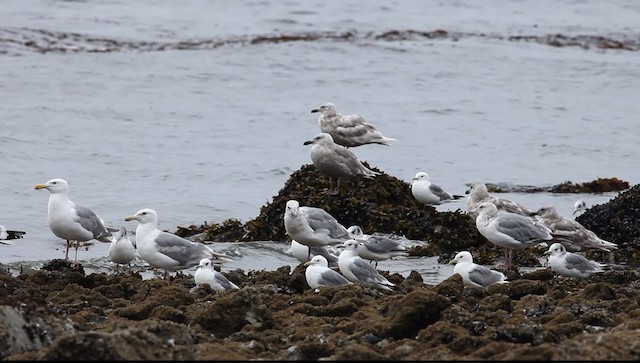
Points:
(357, 270)
(478, 194)
(509, 230)
(121, 250)
(335, 161)
(573, 235)
(165, 250)
(428, 193)
(319, 274)
(6, 235)
(206, 274)
(348, 130)
(473, 274)
(70, 221)
(571, 264)
(377, 247)
(312, 227)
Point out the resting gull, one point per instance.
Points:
(573, 235)
(473, 274)
(121, 250)
(319, 274)
(579, 207)
(377, 247)
(357, 270)
(428, 193)
(6, 235)
(478, 194)
(165, 250)
(312, 227)
(571, 264)
(70, 221)
(206, 274)
(348, 130)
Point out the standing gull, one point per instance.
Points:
(121, 250)
(312, 227)
(571, 264)
(206, 274)
(509, 230)
(70, 221)
(166, 250)
(573, 235)
(479, 194)
(473, 274)
(335, 161)
(428, 193)
(319, 274)
(356, 269)
(348, 130)
(301, 253)
(377, 247)
(6, 235)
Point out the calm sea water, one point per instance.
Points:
(210, 134)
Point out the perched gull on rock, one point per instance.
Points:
(206, 274)
(70, 221)
(377, 247)
(319, 274)
(573, 235)
(571, 264)
(356, 269)
(509, 230)
(474, 274)
(348, 130)
(428, 193)
(301, 252)
(579, 207)
(121, 250)
(166, 250)
(478, 194)
(6, 234)
(335, 161)
(312, 227)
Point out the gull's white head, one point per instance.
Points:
(477, 191)
(487, 208)
(205, 263)
(292, 208)
(320, 139)
(579, 206)
(121, 232)
(548, 211)
(54, 186)
(556, 249)
(144, 216)
(327, 110)
(421, 176)
(350, 244)
(317, 260)
(355, 231)
(464, 256)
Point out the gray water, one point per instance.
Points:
(203, 135)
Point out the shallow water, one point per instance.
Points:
(203, 135)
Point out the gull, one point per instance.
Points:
(357, 270)
(509, 230)
(6, 235)
(334, 160)
(70, 221)
(579, 207)
(206, 274)
(573, 235)
(478, 194)
(428, 193)
(301, 252)
(571, 264)
(166, 250)
(319, 274)
(473, 274)
(312, 227)
(348, 130)
(121, 250)
(377, 247)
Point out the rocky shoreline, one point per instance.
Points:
(62, 313)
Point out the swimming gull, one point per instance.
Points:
(573, 235)
(70, 221)
(509, 230)
(319, 274)
(571, 264)
(206, 274)
(312, 227)
(428, 193)
(377, 247)
(579, 207)
(165, 250)
(348, 130)
(301, 252)
(478, 194)
(121, 250)
(357, 270)
(335, 161)
(473, 274)
(6, 235)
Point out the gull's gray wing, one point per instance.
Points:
(366, 273)
(223, 281)
(320, 250)
(578, 262)
(441, 194)
(521, 228)
(187, 253)
(322, 222)
(92, 223)
(379, 244)
(330, 277)
(484, 276)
